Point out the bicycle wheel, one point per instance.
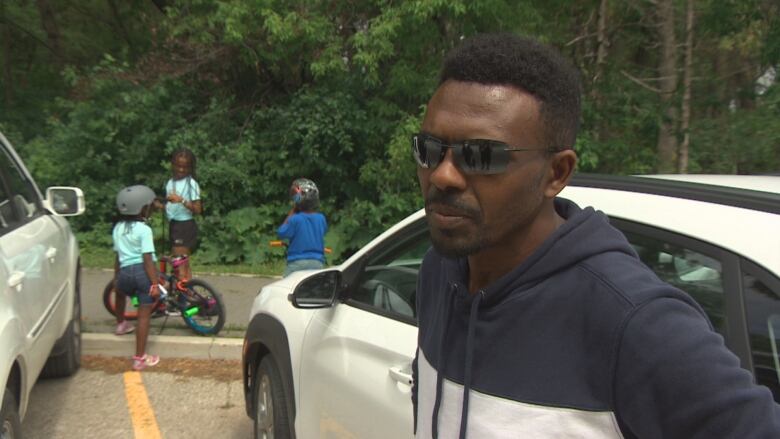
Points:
(209, 317)
(108, 302)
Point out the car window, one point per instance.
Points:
(691, 271)
(388, 280)
(762, 305)
(24, 198)
(7, 212)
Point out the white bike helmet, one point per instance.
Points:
(132, 199)
(304, 194)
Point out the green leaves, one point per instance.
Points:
(264, 91)
(241, 236)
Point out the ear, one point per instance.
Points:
(560, 170)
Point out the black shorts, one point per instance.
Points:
(184, 234)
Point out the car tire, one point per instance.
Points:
(270, 402)
(67, 360)
(10, 425)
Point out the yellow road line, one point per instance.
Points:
(141, 413)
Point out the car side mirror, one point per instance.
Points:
(317, 291)
(65, 201)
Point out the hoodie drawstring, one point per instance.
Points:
(467, 366)
(464, 413)
(442, 362)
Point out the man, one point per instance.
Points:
(536, 318)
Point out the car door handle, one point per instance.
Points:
(401, 374)
(51, 253)
(15, 280)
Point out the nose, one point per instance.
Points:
(447, 176)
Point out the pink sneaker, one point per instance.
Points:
(124, 328)
(142, 362)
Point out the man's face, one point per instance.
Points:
(181, 167)
(470, 213)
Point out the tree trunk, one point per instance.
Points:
(685, 123)
(161, 5)
(667, 136)
(120, 24)
(8, 92)
(601, 59)
(49, 24)
(601, 37)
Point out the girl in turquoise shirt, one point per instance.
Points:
(182, 193)
(135, 273)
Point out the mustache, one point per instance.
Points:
(450, 200)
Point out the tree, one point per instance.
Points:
(97, 93)
(667, 68)
(682, 162)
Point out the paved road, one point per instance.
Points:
(179, 398)
(183, 400)
(238, 292)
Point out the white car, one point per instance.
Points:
(40, 311)
(328, 353)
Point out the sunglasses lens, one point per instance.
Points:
(482, 157)
(427, 151)
(419, 151)
(435, 152)
(471, 156)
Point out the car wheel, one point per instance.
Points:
(10, 426)
(66, 358)
(271, 421)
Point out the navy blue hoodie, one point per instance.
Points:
(580, 340)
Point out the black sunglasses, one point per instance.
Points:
(473, 156)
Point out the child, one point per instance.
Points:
(305, 228)
(135, 273)
(182, 193)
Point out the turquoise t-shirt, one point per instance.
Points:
(131, 240)
(188, 189)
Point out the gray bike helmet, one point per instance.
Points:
(132, 199)
(305, 194)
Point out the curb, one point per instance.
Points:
(209, 273)
(110, 345)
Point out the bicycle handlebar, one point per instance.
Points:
(275, 243)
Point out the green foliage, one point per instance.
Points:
(116, 138)
(741, 141)
(264, 91)
(240, 236)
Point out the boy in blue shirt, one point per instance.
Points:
(135, 273)
(305, 228)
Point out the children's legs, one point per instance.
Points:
(120, 301)
(185, 272)
(302, 264)
(142, 331)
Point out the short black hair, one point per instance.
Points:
(527, 64)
